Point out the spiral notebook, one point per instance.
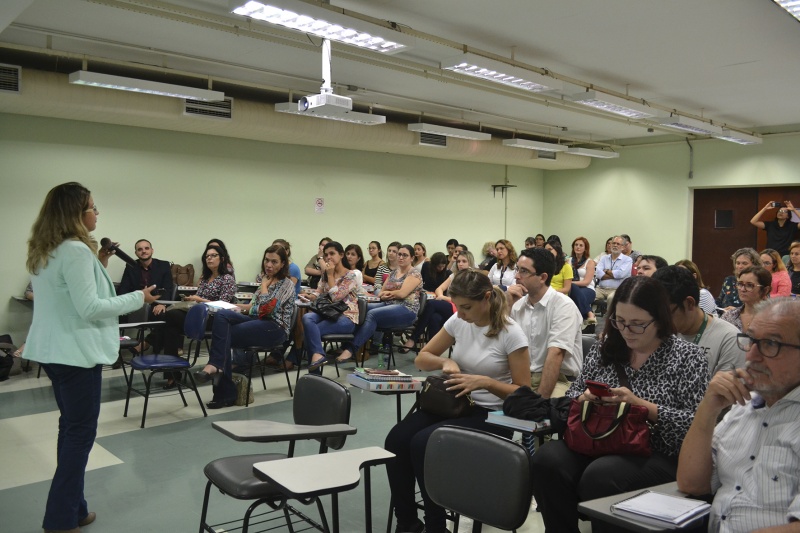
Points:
(659, 509)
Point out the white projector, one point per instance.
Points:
(325, 102)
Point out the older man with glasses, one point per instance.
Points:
(751, 460)
(612, 270)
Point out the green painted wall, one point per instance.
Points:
(179, 190)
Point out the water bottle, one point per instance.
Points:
(380, 359)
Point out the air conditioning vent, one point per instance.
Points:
(545, 155)
(431, 139)
(10, 78)
(222, 109)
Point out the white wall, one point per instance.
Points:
(179, 190)
(647, 193)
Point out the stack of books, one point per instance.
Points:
(383, 380)
(662, 510)
(499, 419)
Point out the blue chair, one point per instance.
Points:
(194, 327)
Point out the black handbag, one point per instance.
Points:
(327, 308)
(437, 400)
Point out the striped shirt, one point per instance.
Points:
(756, 476)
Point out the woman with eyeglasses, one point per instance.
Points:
(781, 282)
(665, 374)
(729, 295)
(780, 231)
(398, 306)
(754, 286)
(216, 283)
(502, 272)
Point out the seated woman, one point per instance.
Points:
(606, 252)
(794, 266)
(451, 253)
(434, 272)
(266, 322)
(488, 251)
(313, 269)
(539, 240)
(398, 306)
(294, 269)
(216, 283)
(562, 279)
(341, 284)
(420, 256)
(781, 282)
(502, 272)
(742, 258)
(582, 289)
(218, 242)
(707, 302)
(385, 269)
(370, 270)
(665, 373)
(754, 286)
(438, 310)
(490, 361)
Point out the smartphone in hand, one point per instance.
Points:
(598, 388)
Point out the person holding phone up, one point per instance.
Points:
(781, 231)
(665, 374)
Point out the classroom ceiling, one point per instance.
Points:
(730, 61)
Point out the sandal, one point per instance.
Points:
(202, 376)
(340, 360)
(318, 363)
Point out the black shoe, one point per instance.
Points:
(204, 377)
(414, 527)
(219, 404)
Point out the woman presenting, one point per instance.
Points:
(74, 333)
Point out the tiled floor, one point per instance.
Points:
(152, 479)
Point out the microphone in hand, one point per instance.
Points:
(107, 244)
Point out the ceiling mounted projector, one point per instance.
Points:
(324, 103)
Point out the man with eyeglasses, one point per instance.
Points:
(716, 337)
(751, 460)
(550, 320)
(781, 231)
(612, 270)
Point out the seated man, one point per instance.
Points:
(550, 320)
(612, 270)
(715, 336)
(149, 271)
(646, 265)
(751, 460)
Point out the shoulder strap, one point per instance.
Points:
(622, 376)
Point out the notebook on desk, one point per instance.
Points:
(655, 508)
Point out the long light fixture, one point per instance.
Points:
(481, 67)
(739, 137)
(613, 104)
(534, 145)
(342, 115)
(791, 6)
(697, 127)
(422, 127)
(106, 81)
(588, 152)
(315, 20)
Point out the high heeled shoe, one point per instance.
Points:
(202, 376)
(219, 404)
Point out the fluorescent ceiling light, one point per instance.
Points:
(600, 154)
(792, 6)
(698, 127)
(613, 104)
(739, 137)
(480, 67)
(343, 115)
(422, 127)
(93, 79)
(315, 20)
(535, 145)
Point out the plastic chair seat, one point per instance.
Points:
(234, 476)
(158, 361)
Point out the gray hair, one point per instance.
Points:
(784, 307)
(754, 256)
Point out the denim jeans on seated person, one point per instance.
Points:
(315, 326)
(233, 329)
(382, 315)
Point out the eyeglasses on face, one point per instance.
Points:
(747, 286)
(523, 272)
(92, 208)
(766, 347)
(211, 256)
(400, 254)
(637, 329)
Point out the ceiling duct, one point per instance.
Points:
(432, 139)
(9, 78)
(222, 109)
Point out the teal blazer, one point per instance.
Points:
(75, 315)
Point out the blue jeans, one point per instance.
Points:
(583, 298)
(232, 329)
(432, 319)
(77, 393)
(382, 315)
(314, 327)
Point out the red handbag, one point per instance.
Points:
(608, 429)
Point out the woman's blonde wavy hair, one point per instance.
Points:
(60, 219)
(474, 285)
